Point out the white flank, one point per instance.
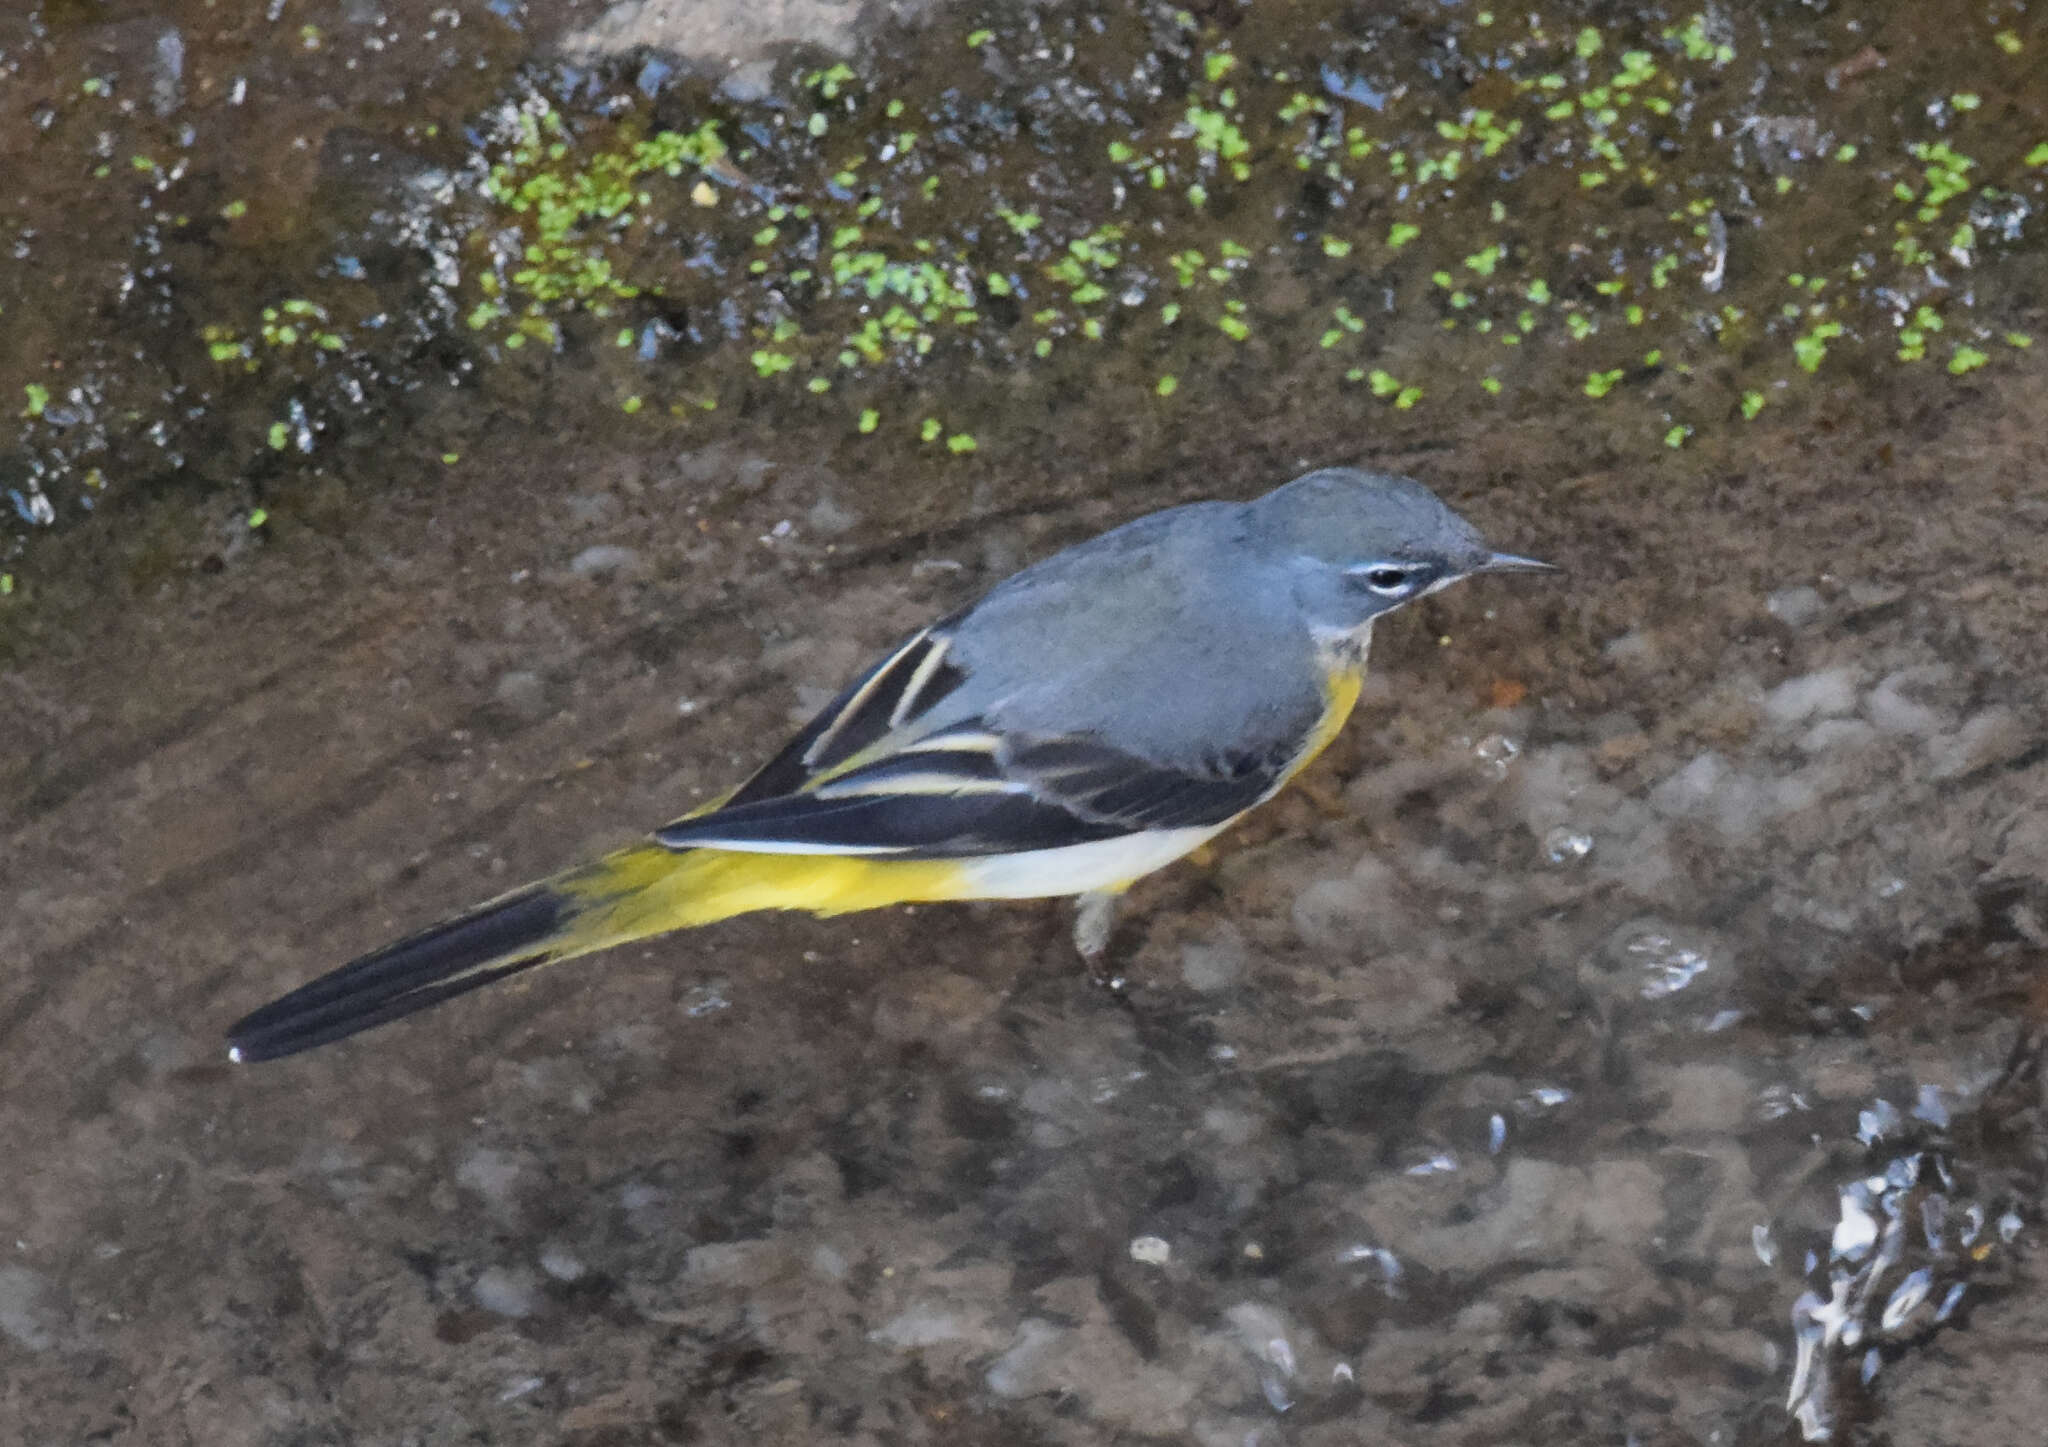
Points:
(1079, 868)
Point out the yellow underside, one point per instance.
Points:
(1342, 689)
(647, 890)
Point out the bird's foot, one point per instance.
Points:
(1094, 920)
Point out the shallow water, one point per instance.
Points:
(1624, 1034)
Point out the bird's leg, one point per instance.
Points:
(1094, 919)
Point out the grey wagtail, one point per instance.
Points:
(1091, 719)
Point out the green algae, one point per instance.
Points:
(1579, 191)
(1527, 213)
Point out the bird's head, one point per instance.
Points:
(1359, 544)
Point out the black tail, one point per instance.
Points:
(494, 940)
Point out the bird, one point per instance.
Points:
(1089, 720)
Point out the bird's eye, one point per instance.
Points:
(1386, 580)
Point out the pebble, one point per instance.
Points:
(1634, 649)
(507, 1291)
(1986, 740)
(1838, 736)
(1890, 707)
(1358, 914)
(1151, 1251)
(920, 1326)
(29, 1316)
(1795, 607)
(1024, 1370)
(1532, 1213)
(828, 517)
(167, 72)
(522, 694)
(1812, 695)
(1706, 1098)
(749, 82)
(605, 560)
(562, 1264)
(498, 1176)
(589, 509)
(1216, 963)
(1692, 787)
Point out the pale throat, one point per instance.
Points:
(1343, 650)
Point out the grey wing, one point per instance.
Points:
(861, 778)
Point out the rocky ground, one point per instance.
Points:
(1625, 1033)
(1499, 1082)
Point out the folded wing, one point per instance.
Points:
(969, 791)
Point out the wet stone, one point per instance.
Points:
(1706, 1099)
(1812, 695)
(1151, 1250)
(1656, 961)
(1215, 963)
(1093, 1364)
(1358, 914)
(591, 509)
(29, 1314)
(1636, 650)
(748, 82)
(830, 1262)
(562, 1264)
(605, 560)
(521, 694)
(2022, 850)
(1397, 991)
(1531, 1213)
(511, 1291)
(1714, 791)
(1234, 1128)
(717, 33)
(1898, 704)
(167, 72)
(734, 1263)
(1023, 1370)
(1554, 786)
(1795, 607)
(1624, 1201)
(1837, 736)
(1156, 1203)
(1868, 597)
(500, 1177)
(931, 1005)
(1986, 740)
(1692, 788)
(926, 1325)
(830, 518)
(649, 1210)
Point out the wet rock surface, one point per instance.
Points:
(1625, 1032)
(1513, 1077)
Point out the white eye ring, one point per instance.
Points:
(1386, 579)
